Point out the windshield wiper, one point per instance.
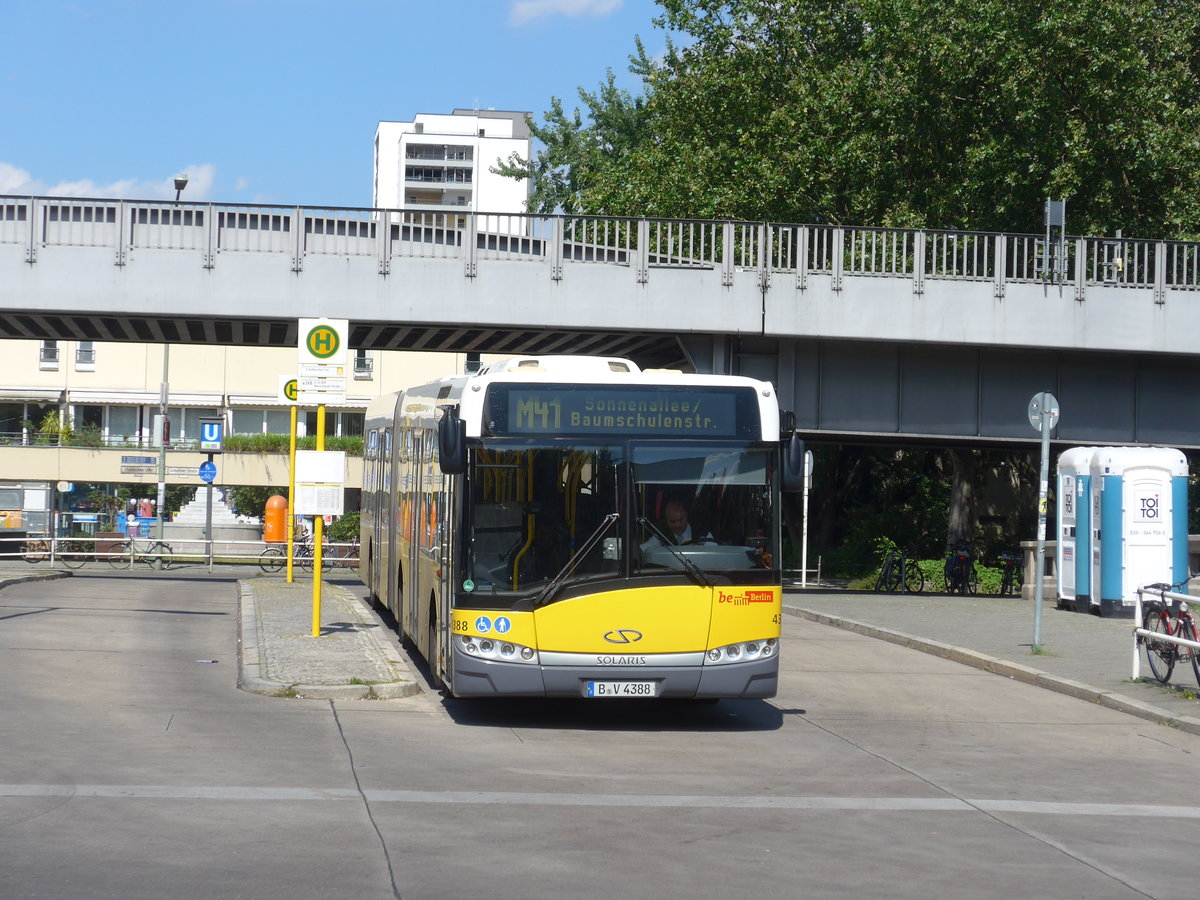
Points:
(556, 582)
(694, 570)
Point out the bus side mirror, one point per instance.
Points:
(793, 465)
(452, 444)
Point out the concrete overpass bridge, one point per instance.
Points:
(869, 334)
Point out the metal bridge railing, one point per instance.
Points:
(769, 249)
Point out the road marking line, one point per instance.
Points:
(537, 798)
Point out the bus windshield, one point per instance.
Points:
(710, 506)
(543, 516)
(534, 508)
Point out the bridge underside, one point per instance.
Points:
(858, 391)
(851, 391)
(649, 350)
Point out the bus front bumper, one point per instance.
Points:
(475, 677)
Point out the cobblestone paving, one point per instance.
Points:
(354, 648)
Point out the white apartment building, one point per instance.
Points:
(109, 394)
(115, 389)
(441, 163)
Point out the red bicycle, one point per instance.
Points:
(1172, 618)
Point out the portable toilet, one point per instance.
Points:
(1074, 540)
(1139, 501)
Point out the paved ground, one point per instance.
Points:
(356, 657)
(1083, 655)
(134, 769)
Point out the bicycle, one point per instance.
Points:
(1177, 622)
(960, 570)
(156, 554)
(272, 559)
(344, 556)
(36, 550)
(1011, 574)
(898, 572)
(74, 552)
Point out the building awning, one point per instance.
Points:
(258, 401)
(42, 395)
(111, 397)
(146, 398)
(255, 400)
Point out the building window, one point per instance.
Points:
(85, 356)
(191, 423)
(337, 424)
(364, 365)
(262, 421)
(248, 421)
(48, 357)
(124, 424)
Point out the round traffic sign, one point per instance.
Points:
(208, 471)
(291, 389)
(1043, 404)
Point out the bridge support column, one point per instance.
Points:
(709, 354)
(785, 376)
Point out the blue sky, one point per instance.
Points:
(275, 101)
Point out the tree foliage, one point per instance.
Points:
(932, 113)
(251, 500)
(956, 114)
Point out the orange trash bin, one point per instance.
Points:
(275, 520)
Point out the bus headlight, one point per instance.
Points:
(747, 651)
(486, 648)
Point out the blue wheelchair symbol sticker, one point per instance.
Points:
(502, 625)
(483, 624)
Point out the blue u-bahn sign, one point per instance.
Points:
(212, 433)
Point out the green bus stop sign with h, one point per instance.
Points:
(322, 341)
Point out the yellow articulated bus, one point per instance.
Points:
(575, 527)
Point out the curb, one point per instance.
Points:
(36, 576)
(1006, 668)
(251, 667)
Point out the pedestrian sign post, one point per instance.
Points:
(1043, 416)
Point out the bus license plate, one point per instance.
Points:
(620, 689)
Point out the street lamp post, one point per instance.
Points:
(181, 181)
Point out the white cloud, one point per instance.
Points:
(201, 178)
(13, 180)
(523, 11)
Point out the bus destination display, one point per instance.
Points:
(579, 410)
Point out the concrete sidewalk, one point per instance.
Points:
(1083, 655)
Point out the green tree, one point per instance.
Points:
(963, 114)
(935, 113)
(250, 500)
(573, 153)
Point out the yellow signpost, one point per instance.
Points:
(322, 358)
